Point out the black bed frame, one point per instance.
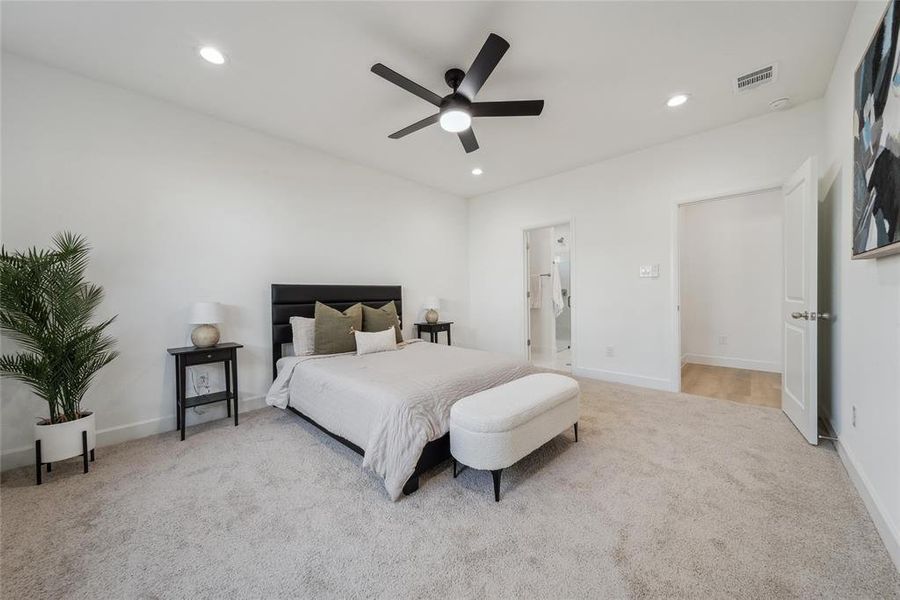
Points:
(300, 301)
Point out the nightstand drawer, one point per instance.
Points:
(203, 357)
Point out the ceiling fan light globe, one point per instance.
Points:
(455, 120)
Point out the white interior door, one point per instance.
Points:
(799, 394)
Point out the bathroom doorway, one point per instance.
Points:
(548, 296)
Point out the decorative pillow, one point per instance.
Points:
(381, 341)
(304, 330)
(379, 319)
(334, 329)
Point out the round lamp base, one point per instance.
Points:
(205, 336)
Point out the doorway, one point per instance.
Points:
(731, 257)
(548, 296)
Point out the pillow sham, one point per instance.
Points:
(371, 342)
(334, 329)
(379, 319)
(304, 333)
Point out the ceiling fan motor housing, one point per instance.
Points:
(455, 102)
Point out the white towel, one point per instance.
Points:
(559, 302)
(535, 291)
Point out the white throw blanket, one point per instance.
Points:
(390, 403)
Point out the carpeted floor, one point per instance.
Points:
(666, 495)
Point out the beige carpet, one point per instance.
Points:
(665, 495)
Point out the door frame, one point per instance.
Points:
(675, 290)
(526, 309)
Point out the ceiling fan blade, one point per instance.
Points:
(468, 140)
(407, 84)
(416, 126)
(512, 108)
(491, 53)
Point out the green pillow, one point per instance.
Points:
(334, 329)
(379, 319)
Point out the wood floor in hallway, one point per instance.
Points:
(739, 385)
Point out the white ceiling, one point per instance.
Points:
(301, 71)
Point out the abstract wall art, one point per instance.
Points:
(876, 144)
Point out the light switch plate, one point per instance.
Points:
(649, 271)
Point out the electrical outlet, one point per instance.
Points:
(723, 340)
(853, 415)
(610, 351)
(203, 380)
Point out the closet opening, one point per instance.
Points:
(548, 296)
(730, 281)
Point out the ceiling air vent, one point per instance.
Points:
(754, 79)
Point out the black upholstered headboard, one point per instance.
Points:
(300, 301)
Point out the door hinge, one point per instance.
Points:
(528, 294)
(528, 343)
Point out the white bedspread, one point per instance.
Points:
(391, 403)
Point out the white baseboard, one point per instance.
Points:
(887, 529)
(734, 363)
(656, 383)
(24, 455)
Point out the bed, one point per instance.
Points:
(390, 407)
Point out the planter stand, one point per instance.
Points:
(37, 457)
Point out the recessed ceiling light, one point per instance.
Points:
(477, 171)
(213, 55)
(677, 100)
(455, 120)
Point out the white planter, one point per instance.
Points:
(63, 440)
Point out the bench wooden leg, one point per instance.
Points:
(496, 476)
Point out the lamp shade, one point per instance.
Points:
(205, 313)
(431, 303)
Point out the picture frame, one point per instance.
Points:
(876, 142)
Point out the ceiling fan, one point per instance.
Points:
(458, 108)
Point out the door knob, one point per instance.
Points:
(799, 315)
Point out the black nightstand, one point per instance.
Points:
(191, 355)
(434, 329)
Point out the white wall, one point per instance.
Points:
(181, 207)
(623, 213)
(730, 279)
(865, 297)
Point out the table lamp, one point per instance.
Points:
(432, 305)
(205, 315)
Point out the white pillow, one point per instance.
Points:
(304, 330)
(368, 342)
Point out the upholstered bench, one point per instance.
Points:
(493, 429)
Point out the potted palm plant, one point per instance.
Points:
(47, 307)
